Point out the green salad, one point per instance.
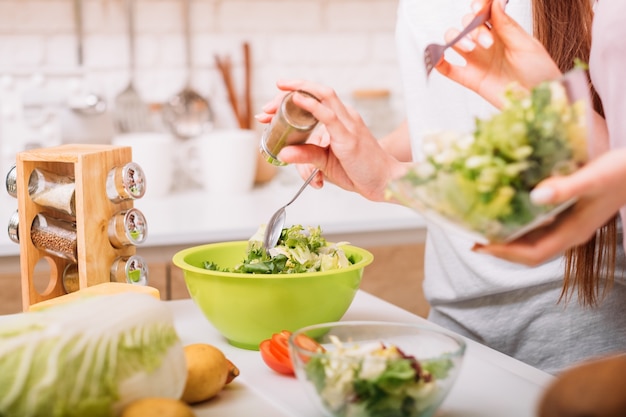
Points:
(482, 180)
(298, 250)
(376, 380)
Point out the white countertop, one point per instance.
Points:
(490, 384)
(197, 217)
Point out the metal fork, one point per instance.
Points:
(433, 53)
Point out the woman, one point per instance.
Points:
(509, 307)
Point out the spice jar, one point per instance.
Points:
(127, 182)
(132, 270)
(127, 227)
(54, 236)
(71, 281)
(291, 125)
(47, 189)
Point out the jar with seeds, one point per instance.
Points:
(54, 236)
(71, 281)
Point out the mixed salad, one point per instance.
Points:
(298, 250)
(482, 180)
(376, 380)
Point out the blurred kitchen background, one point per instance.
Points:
(347, 44)
(48, 70)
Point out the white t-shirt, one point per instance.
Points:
(507, 306)
(606, 65)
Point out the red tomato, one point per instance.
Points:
(305, 342)
(275, 351)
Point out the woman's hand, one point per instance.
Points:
(498, 57)
(343, 148)
(600, 192)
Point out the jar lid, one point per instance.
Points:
(11, 181)
(14, 227)
(126, 183)
(133, 270)
(135, 226)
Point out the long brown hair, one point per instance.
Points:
(564, 28)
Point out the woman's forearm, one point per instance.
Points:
(398, 143)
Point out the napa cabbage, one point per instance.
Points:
(90, 357)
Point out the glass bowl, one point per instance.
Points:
(375, 369)
(479, 183)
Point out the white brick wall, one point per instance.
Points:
(347, 44)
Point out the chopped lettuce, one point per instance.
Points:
(482, 180)
(376, 381)
(298, 250)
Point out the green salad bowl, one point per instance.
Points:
(248, 308)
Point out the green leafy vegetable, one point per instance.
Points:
(482, 180)
(298, 250)
(90, 357)
(376, 381)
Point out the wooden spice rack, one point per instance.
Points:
(89, 165)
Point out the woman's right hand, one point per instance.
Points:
(498, 57)
(343, 148)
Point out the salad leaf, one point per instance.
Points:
(482, 180)
(298, 250)
(439, 369)
(378, 381)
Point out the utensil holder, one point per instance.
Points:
(89, 165)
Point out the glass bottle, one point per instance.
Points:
(127, 182)
(52, 190)
(47, 189)
(291, 125)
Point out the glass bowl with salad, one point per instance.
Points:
(248, 294)
(376, 369)
(479, 183)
